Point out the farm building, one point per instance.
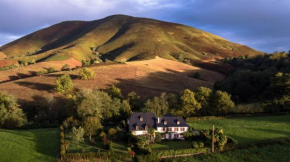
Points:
(170, 127)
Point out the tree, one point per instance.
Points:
(151, 133)
(11, 116)
(221, 102)
(189, 104)
(115, 92)
(97, 103)
(202, 95)
(125, 109)
(134, 101)
(278, 93)
(77, 135)
(63, 83)
(91, 125)
(86, 73)
(158, 105)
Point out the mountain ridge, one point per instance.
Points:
(122, 38)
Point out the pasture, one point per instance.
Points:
(29, 145)
(250, 129)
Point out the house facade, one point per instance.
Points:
(169, 126)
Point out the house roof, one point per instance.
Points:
(148, 119)
(171, 122)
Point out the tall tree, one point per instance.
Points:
(202, 95)
(278, 93)
(189, 105)
(11, 116)
(91, 125)
(115, 92)
(221, 102)
(77, 135)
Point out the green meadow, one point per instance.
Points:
(29, 145)
(250, 129)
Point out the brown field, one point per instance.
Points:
(146, 78)
(2, 56)
(29, 70)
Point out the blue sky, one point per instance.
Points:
(260, 24)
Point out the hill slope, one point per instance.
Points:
(147, 78)
(121, 38)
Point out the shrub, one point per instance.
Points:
(51, 70)
(41, 72)
(86, 73)
(63, 83)
(200, 144)
(195, 145)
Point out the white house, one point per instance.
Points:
(169, 126)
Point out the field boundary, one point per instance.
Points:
(200, 118)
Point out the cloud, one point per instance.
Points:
(261, 24)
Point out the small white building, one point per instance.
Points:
(169, 126)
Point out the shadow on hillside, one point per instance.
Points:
(169, 81)
(36, 86)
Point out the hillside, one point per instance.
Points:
(121, 38)
(147, 78)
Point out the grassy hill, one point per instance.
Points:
(29, 145)
(121, 38)
(147, 78)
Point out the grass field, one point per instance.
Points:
(119, 148)
(278, 153)
(168, 145)
(252, 129)
(29, 145)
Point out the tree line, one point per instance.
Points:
(262, 79)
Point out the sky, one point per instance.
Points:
(261, 24)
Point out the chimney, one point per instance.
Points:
(158, 120)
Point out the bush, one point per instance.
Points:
(51, 70)
(63, 83)
(86, 73)
(200, 144)
(41, 72)
(195, 145)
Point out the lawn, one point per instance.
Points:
(29, 145)
(118, 147)
(250, 129)
(265, 154)
(168, 145)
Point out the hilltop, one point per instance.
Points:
(121, 38)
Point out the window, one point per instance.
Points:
(175, 129)
(170, 129)
(182, 129)
(176, 135)
(163, 129)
